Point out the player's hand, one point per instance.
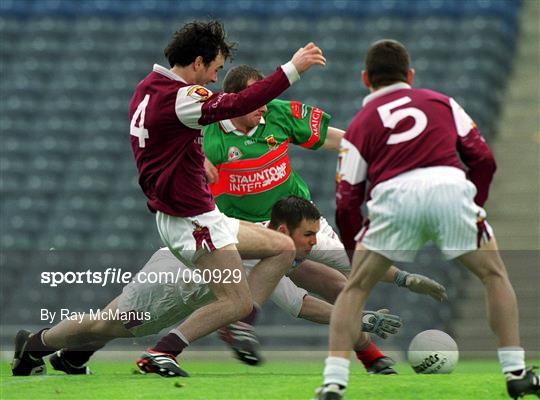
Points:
(308, 56)
(380, 323)
(211, 171)
(421, 284)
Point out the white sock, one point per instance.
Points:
(511, 358)
(180, 335)
(336, 370)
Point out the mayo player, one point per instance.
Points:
(249, 170)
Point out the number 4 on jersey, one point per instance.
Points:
(140, 131)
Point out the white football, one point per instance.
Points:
(433, 352)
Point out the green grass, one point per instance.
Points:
(275, 380)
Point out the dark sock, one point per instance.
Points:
(369, 354)
(78, 356)
(252, 316)
(170, 344)
(36, 347)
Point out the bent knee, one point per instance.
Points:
(286, 247)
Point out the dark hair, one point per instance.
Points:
(237, 78)
(291, 211)
(197, 38)
(387, 62)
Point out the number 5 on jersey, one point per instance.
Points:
(140, 131)
(391, 119)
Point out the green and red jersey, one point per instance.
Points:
(254, 168)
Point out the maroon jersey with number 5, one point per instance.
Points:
(167, 115)
(400, 129)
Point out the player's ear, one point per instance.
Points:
(410, 76)
(283, 229)
(198, 63)
(365, 79)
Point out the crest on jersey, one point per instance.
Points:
(199, 93)
(298, 110)
(202, 237)
(234, 153)
(271, 142)
(342, 152)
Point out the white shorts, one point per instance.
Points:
(435, 203)
(166, 301)
(190, 237)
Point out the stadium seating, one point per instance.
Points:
(67, 176)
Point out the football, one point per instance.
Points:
(433, 352)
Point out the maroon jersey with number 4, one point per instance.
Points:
(400, 129)
(167, 115)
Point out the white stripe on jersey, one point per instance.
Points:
(463, 122)
(189, 104)
(352, 166)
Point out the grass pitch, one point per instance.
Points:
(274, 380)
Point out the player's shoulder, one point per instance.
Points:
(278, 105)
(430, 94)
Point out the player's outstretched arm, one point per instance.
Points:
(333, 139)
(380, 322)
(308, 56)
(196, 106)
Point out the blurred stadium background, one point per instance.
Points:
(68, 180)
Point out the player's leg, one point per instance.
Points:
(206, 242)
(233, 300)
(367, 269)
(276, 252)
(502, 310)
(502, 313)
(73, 360)
(31, 348)
(71, 333)
(461, 232)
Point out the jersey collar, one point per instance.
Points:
(167, 72)
(229, 127)
(385, 90)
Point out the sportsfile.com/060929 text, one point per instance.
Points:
(117, 276)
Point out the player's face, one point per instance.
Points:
(305, 237)
(252, 119)
(209, 73)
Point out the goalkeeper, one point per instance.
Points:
(166, 303)
(248, 170)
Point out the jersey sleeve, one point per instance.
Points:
(474, 152)
(307, 126)
(197, 106)
(350, 191)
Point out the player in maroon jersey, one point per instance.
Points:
(406, 143)
(167, 111)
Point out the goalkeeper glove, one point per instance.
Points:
(380, 323)
(420, 284)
